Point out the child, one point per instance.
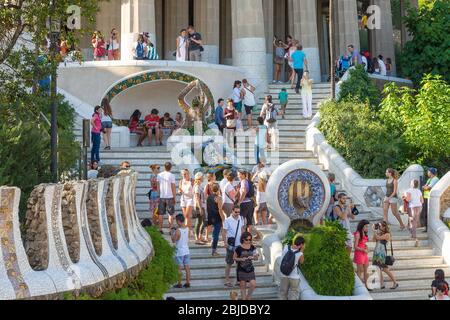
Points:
(290, 283)
(180, 236)
(283, 96)
(440, 293)
(439, 278)
(333, 191)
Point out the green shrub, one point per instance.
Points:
(356, 132)
(359, 87)
(328, 267)
(154, 281)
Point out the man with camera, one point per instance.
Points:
(233, 228)
(344, 212)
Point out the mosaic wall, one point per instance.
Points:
(70, 264)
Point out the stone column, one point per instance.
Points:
(305, 30)
(346, 26)
(137, 16)
(207, 23)
(382, 40)
(405, 34)
(249, 42)
(226, 46)
(269, 32)
(176, 18)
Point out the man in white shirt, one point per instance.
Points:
(383, 70)
(233, 228)
(167, 193)
(289, 285)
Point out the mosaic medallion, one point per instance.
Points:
(301, 194)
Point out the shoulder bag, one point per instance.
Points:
(232, 241)
(390, 260)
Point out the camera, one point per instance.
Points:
(377, 226)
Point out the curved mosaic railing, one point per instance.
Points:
(58, 244)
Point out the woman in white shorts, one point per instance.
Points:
(187, 198)
(261, 201)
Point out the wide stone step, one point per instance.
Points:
(409, 285)
(222, 293)
(400, 295)
(417, 272)
(209, 270)
(402, 252)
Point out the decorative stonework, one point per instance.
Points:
(8, 250)
(123, 214)
(93, 216)
(374, 197)
(152, 76)
(36, 236)
(70, 223)
(445, 201)
(109, 202)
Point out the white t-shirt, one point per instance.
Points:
(92, 174)
(365, 62)
(114, 45)
(228, 189)
(294, 274)
(237, 95)
(222, 185)
(383, 71)
(416, 195)
(165, 180)
(249, 98)
(230, 225)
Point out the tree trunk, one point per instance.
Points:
(332, 51)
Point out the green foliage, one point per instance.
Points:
(359, 87)
(428, 51)
(421, 118)
(328, 267)
(357, 133)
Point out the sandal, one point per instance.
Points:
(395, 287)
(228, 285)
(178, 286)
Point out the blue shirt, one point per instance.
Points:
(219, 116)
(298, 58)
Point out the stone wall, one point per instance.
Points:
(36, 237)
(60, 251)
(445, 201)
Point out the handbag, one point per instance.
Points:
(390, 260)
(232, 241)
(231, 123)
(355, 211)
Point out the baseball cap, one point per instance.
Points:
(433, 171)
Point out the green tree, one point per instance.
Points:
(429, 49)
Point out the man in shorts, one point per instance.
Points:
(233, 227)
(167, 193)
(249, 101)
(228, 194)
(245, 200)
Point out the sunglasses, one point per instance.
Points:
(248, 239)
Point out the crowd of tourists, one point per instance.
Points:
(213, 210)
(373, 65)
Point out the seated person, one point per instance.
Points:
(134, 126)
(152, 124)
(167, 125)
(179, 121)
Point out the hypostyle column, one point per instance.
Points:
(346, 26)
(176, 18)
(382, 39)
(137, 16)
(268, 7)
(249, 42)
(305, 30)
(207, 23)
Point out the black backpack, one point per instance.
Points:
(288, 262)
(251, 190)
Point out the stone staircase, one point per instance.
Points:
(414, 268)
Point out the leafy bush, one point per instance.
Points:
(359, 87)
(328, 267)
(153, 282)
(428, 51)
(356, 132)
(421, 118)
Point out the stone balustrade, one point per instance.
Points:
(81, 236)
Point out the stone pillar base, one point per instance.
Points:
(211, 54)
(313, 57)
(250, 55)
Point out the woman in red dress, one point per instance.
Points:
(361, 257)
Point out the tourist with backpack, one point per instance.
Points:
(245, 198)
(270, 112)
(291, 260)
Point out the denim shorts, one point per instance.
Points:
(183, 261)
(107, 125)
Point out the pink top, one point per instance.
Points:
(97, 127)
(362, 242)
